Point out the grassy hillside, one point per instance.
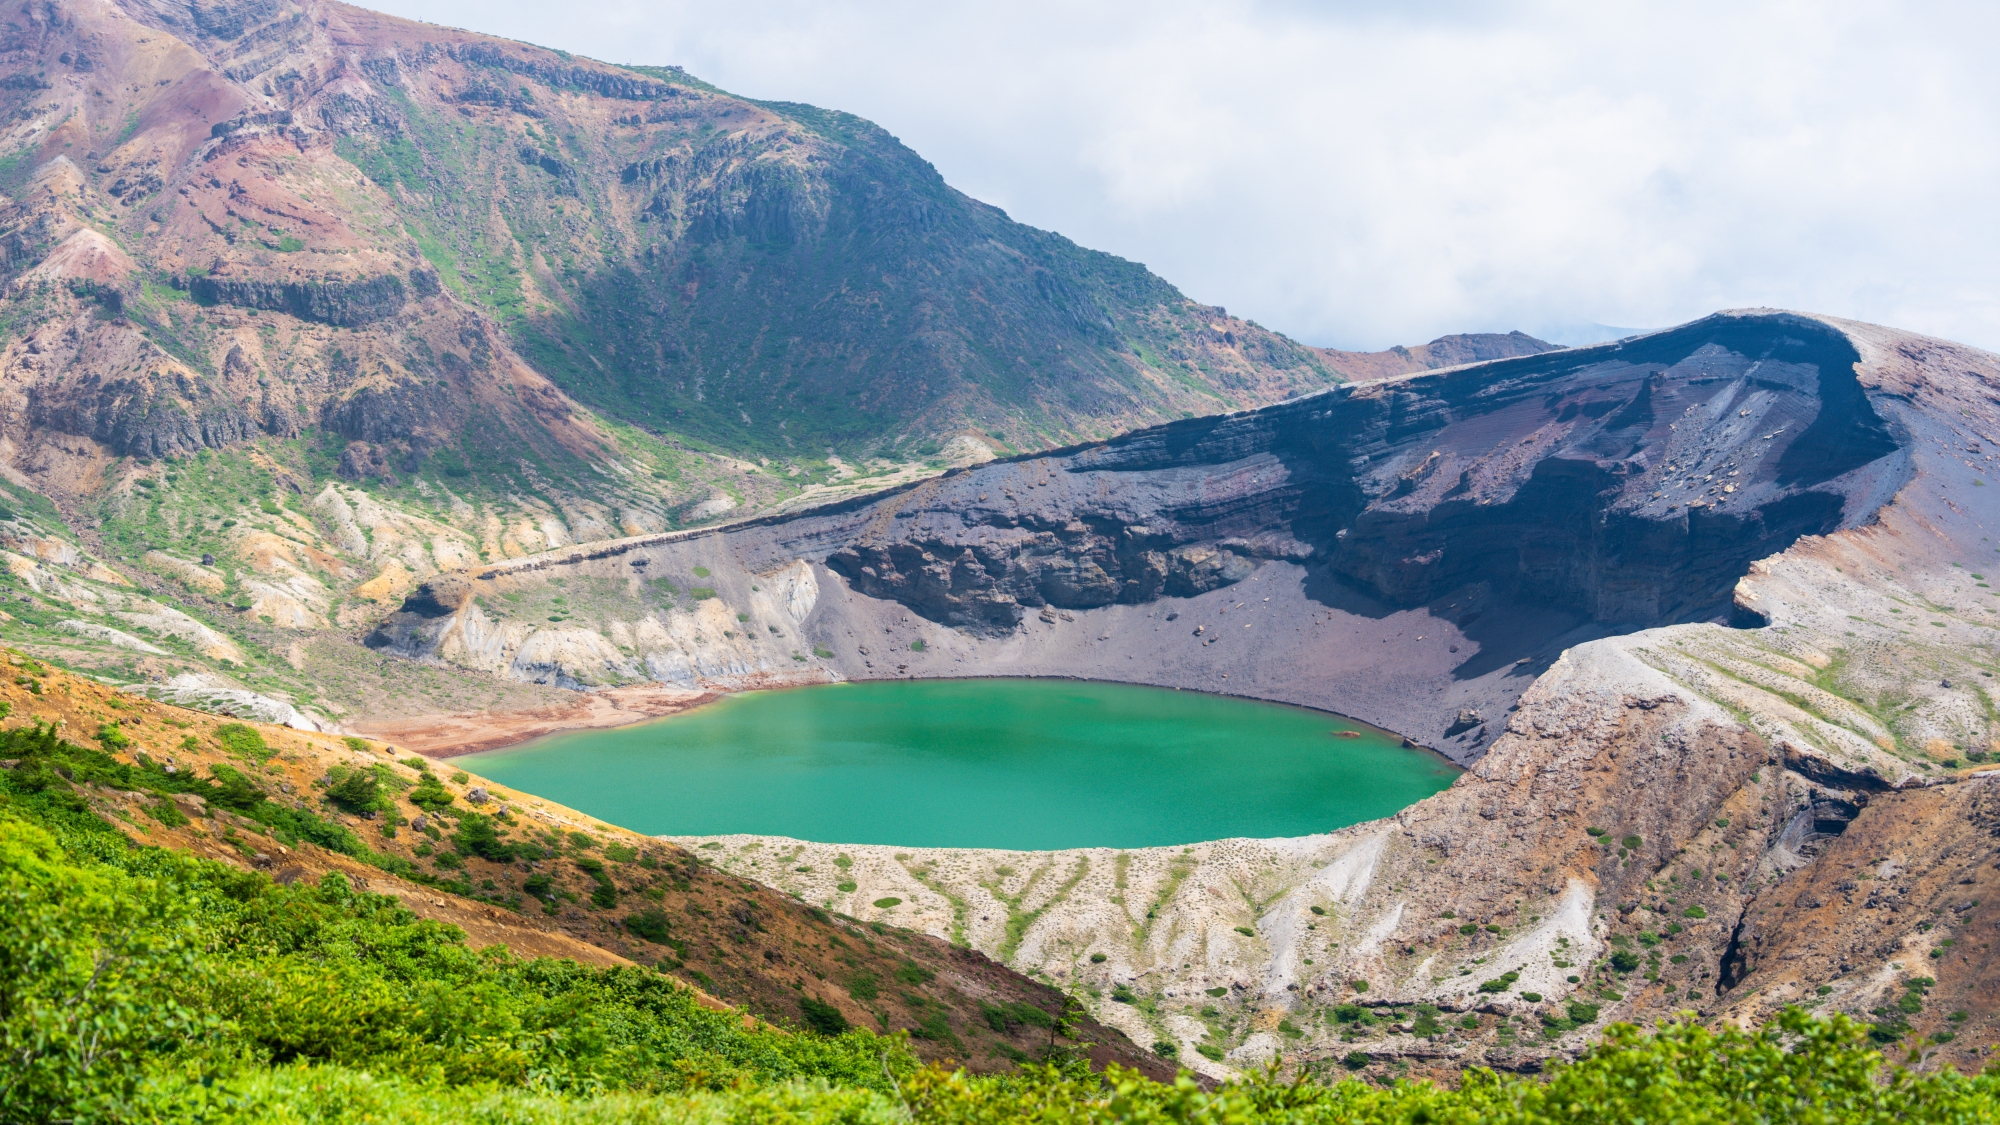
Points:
(500, 870)
(142, 984)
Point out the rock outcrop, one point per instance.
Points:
(343, 303)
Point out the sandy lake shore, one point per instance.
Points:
(450, 735)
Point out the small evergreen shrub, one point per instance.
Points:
(430, 794)
(243, 740)
(651, 924)
(355, 791)
(822, 1017)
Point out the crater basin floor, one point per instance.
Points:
(1029, 764)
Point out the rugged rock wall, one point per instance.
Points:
(1632, 483)
(347, 304)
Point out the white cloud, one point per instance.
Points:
(1366, 174)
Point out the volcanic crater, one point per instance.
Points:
(1693, 607)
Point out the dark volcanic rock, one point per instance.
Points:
(1632, 483)
(135, 420)
(418, 413)
(348, 304)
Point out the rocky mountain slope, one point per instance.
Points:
(381, 218)
(1445, 351)
(301, 304)
(1689, 605)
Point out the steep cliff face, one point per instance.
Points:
(1631, 483)
(348, 304)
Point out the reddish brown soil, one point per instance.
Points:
(445, 736)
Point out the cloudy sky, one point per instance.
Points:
(1369, 173)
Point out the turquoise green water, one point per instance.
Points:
(1029, 764)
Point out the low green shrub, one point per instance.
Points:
(430, 794)
(240, 738)
(822, 1017)
(604, 895)
(355, 791)
(144, 984)
(652, 924)
(479, 835)
(1003, 1017)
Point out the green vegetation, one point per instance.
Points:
(242, 740)
(430, 793)
(142, 984)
